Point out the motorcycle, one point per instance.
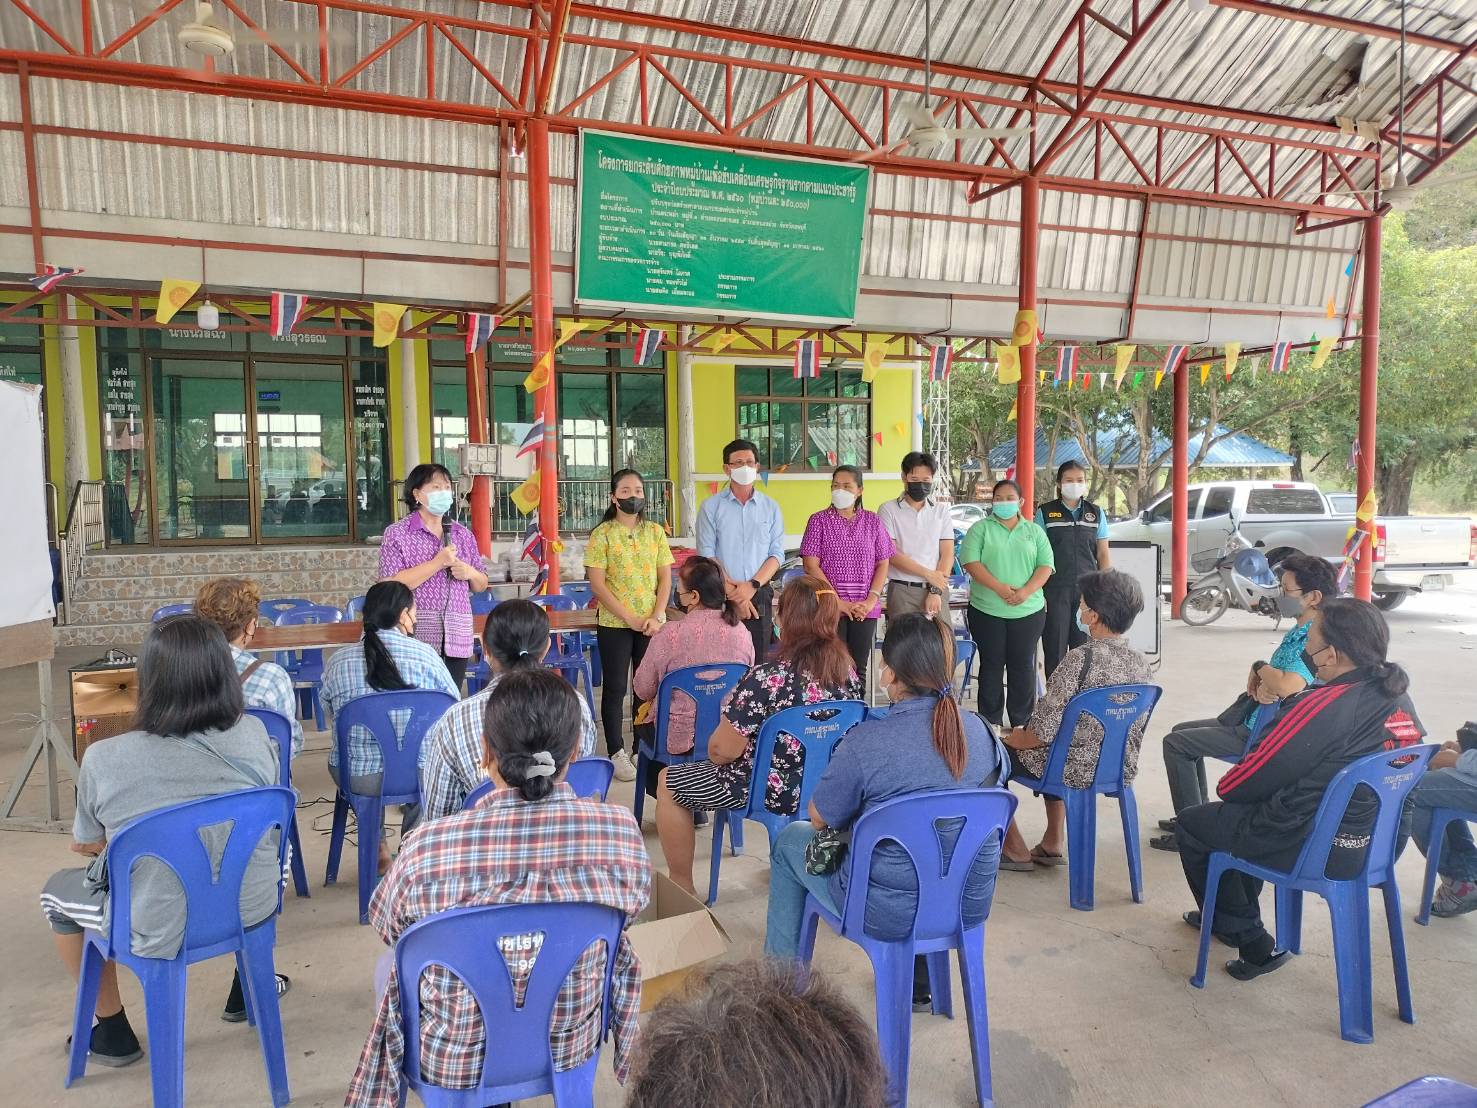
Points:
(1241, 578)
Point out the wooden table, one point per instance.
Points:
(312, 636)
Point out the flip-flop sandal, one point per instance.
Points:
(1242, 970)
(1165, 842)
(1193, 919)
(1042, 857)
(1017, 867)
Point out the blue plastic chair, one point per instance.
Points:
(171, 610)
(305, 667)
(1389, 775)
(484, 602)
(914, 823)
(789, 574)
(354, 609)
(466, 943)
(1117, 708)
(271, 610)
(568, 655)
(583, 594)
(400, 747)
(479, 673)
(708, 687)
(588, 777)
(213, 926)
(965, 651)
(279, 729)
(1428, 1092)
(1440, 817)
(817, 728)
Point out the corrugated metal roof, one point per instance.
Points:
(1120, 450)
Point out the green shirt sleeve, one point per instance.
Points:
(595, 549)
(969, 550)
(1044, 556)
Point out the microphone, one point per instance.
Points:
(446, 538)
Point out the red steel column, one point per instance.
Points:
(477, 432)
(1369, 373)
(1025, 422)
(1179, 555)
(541, 288)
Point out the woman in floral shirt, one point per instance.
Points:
(813, 666)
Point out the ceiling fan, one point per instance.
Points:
(925, 134)
(1398, 191)
(207, 36)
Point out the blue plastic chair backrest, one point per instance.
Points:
(586, 776)
(917, 823)
(279, 730)
(309, 614)
(171, 610)
(581, 592)
(398, 722)
(708, 687)
(1118, 708)
(484, 602)
(817, 728)
(212, 888)
(789, 574)
(475, 945)
(354, 609)
(555, 603)
(271, 609)
(1390, 774)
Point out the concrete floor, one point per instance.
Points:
(1085, 1008)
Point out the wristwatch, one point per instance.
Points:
(933, 590)
(754, 584)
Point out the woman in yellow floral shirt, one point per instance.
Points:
(627, 561)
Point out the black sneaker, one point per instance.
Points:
(1169, 824)
(113, 1042)
(235, 1010)
(1166, 842)
(922, 986)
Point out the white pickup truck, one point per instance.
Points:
(1411, 554)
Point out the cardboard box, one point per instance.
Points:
(674, 936)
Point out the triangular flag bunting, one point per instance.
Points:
(386, 321)
(1329, 309)
(1102, 381)
(1323, 350)
(1204, 372)
(1158, 379)
(173, 295)
(525, 497)
(568, 328)
(1007, 364)
(877, 435)
(1233, 351)
(723, 339)
(648, 342)
(1122, 358)
(1138, 378)
(901, 427)
(873, 351)
(541, 374)
(480, 326)
(286, 310)
(1012, 417)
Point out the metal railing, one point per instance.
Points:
(83, 533)
(581, 504)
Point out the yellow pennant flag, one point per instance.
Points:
(873, 351)
(1205, 373)
(1011, 418)
(900, 427)
(1007, 364)
(1325, 348)
(723, 340)
(1041, 377)
(386, 321)
(568, 328)
(1328, 309)
(541, 373)
(1158, 379)
(1023, 333)
(1365, 514)
(1122, 359)
(525, 496)
(1233, 351)
(173, 295)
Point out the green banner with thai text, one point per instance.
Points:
(677, 228)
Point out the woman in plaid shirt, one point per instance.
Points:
(530, 841)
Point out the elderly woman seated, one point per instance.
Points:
(1110, 602)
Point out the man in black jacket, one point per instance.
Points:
(1269, 801)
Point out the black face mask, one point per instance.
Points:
(1312, 665)
(631, 505)
(918, 491)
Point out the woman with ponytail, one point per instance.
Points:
(813, 665)
(387, 659)
(1268, 801)
(925, 743)
(529, 841)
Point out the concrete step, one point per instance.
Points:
(328, 586)
(229, 561)
(125, 636)
(104, 610)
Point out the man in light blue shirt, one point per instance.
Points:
(744, 532)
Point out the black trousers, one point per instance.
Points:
(860, 636)
(1206, 828)
(621, 651)
(457, 667)
(760, 629)
(1007, 652)
(1061, 632)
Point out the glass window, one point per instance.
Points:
(641, 424)
(806, 425)
(371, 462)
(1218, 502)
(125, 465)
(448, 412)
(584, 426)
(1284, 502)
(201, 489)
(302, 457)
(1163, 511)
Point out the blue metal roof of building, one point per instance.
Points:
(1120, 450)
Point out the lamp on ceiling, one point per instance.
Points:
(208, 316)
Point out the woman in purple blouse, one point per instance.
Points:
(438, 559)
(846, 546)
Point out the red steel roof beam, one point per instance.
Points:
(1339, 22)
(549, 67)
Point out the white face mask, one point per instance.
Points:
(842, 499)
(1074, 490)
(743, 475)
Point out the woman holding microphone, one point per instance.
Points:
(438, 560)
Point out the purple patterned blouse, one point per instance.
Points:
(849, 550)
(443, 605)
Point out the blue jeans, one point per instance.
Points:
(1444, 788)
(788, 885)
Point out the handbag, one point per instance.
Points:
(825, 852)
(1239, 711)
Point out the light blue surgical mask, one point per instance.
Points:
(1080, 625)
(439, 502)
(1006, 509)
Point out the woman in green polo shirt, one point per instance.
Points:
(1008, 559)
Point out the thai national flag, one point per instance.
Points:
(480, 326)
(1174, 357)
(532, 440)
(647, 344)
(1010, 472)
(807, 358)
(1066, 363)
(940, 362)
(287, 309)
(1278, 361)
(52, 275)
(533, 541)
